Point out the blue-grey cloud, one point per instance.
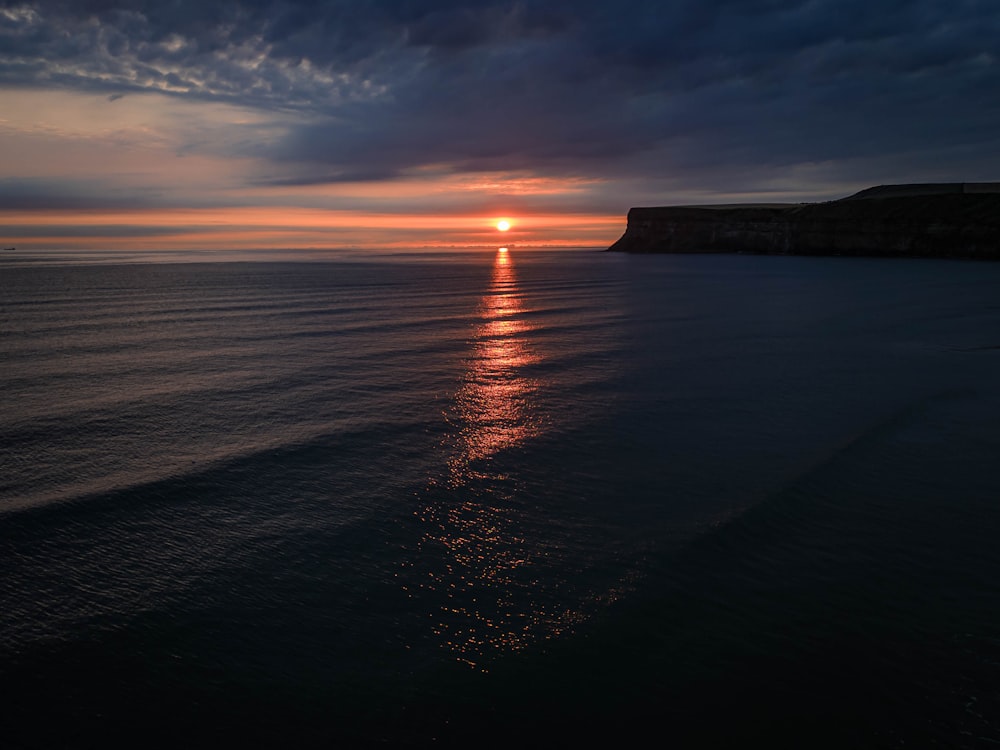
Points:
(636, 87)
(77, 195)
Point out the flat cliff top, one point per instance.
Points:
(950, 203)
(926, 188)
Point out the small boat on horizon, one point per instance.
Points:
(8, 248)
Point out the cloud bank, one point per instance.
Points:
(655, 98)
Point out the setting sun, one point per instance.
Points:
(503, 225)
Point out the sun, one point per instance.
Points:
(503, 225)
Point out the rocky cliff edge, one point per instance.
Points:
(940, 220)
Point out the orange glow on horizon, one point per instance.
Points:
(245, 227)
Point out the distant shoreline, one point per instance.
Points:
(933, 220)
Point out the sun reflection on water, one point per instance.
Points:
(494, 408)
(485, 586)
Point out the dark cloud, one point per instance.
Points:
(47, 194)
(31, 231)
(636, 87)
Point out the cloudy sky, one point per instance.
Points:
(313, 123)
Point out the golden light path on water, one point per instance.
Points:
(495, 405)
(489, 589)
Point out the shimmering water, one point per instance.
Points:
(480, 497)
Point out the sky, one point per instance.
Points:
(421, 123)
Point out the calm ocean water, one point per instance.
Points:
(481, 498)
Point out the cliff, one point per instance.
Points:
(945, 220)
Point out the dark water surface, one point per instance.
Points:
(492, 499)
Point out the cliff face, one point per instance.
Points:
(942, 221)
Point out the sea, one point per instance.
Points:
(498, 498)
